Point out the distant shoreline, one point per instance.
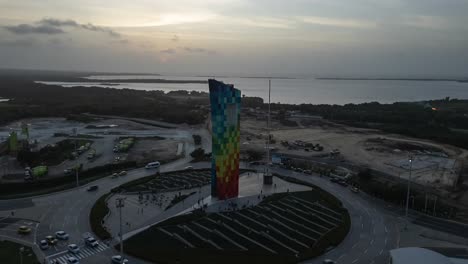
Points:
(115, 82)
(391, 79)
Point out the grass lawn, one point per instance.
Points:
(10, 253)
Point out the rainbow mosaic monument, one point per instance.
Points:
(225, 121)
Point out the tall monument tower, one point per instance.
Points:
(225, 121)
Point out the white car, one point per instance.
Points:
(153, 165)
(73, 248)
(117, 259)
(91, 242)
(61, 235)
(43, 245)
(73, 260)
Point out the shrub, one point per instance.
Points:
(96, 217)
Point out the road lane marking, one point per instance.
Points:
(386, 240)
(365, 251)
(354, 261)
(354, 245)
(372, 241)
(386, 230)
(381, 251)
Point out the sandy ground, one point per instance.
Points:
(147, 150)
(354, 147)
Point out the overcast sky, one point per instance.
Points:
(238, 37)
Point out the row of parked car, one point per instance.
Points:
(342, 182)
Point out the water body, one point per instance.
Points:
(297, 91)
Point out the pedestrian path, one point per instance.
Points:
(84, 253)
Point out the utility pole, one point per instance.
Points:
(409, 182)
(21, 250)
(120, 204)
(267, 177)
(425, 204)
(77, 166)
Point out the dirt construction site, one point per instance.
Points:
(433, 164)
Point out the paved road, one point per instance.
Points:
(373, 232)
(69, 211)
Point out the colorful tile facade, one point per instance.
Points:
(225, 120)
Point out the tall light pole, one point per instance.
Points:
(75, 133)
(119, 203)
(409, 182)
(21, 250)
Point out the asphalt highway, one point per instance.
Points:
(373, 233)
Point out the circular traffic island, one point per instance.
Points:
(283, 228)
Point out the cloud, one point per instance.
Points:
(175, 38)
(54, 26)
(337, 22)
(18, 43)
(58, 23)
(22, 29)
(92, 27)
(198, 50)
(168, 51)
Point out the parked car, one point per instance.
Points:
(43, 245)
(91, 242)
(188, 168)
(73, 260)
(24, 230)
(114, 175)
(73, 248)
(117, 259)
(123, 173)
(92, 188)
(51, 240)
(61, 235)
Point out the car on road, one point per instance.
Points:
(51, 240)
(122, 173)
(188, 168)
(91, 242)
(43, 245)
(92, 188)
(114, 175)
(61, 235)
(153, 165)
(342, 183)
(73, 260)
(354, 189)
(24, 230)
(335, 180)
(117, 259)
(73, 248)
(328, 261)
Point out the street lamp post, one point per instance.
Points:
(21, 250)
(120, 204)
(75, 133)
(409, 183)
